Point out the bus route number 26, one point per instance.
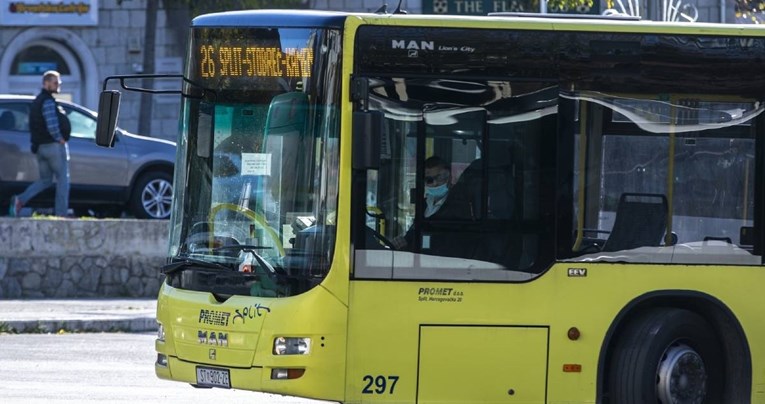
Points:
(379, 384)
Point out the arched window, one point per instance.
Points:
(36, 60)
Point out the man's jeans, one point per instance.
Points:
(52, 159)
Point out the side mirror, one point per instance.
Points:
(108, 110)
(367, 138)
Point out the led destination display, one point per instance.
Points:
(222, 60)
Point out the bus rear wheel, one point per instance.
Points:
(667, 355)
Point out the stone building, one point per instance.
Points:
(88, 40)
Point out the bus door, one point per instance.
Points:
(455, 200)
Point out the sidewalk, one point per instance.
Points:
(78, 315)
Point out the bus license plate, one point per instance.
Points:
(213, 377)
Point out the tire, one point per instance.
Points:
(666, 356)
(152, 196)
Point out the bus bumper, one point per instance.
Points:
(186, 372)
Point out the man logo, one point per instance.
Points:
(412, 45)
(213, 354)
(213, 338)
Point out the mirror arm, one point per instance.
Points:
(123, 78)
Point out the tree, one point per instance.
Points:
(150, 39)
(566, 6)
(750, 11)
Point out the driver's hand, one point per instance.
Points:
(398, 242)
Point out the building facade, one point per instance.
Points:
(88, 40)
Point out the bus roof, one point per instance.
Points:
(265, 18)
(336, 19)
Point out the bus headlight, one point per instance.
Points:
(291, 346)
(160, 332)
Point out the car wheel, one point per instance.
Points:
(152, 196)
(667, 355)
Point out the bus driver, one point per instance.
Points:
(437, 184)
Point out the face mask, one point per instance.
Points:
(436, 192)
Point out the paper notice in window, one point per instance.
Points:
(256, 164)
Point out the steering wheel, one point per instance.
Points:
(255, 217)
(379, 237)
(377, 214)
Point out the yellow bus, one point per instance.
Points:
(390, 208)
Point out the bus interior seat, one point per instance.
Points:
(501, 192)
(488, 238)
(641, 221)
(724, 239)
(468, 190)
(7, 121)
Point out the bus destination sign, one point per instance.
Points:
(220, 61)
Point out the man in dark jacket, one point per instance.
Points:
(50, 129)
(437, 180)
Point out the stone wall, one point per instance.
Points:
(42, 258)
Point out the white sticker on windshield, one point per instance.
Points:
(256, 164)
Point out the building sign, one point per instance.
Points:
(484, 7)
(50, 12)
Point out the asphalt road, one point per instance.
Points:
(100, 368)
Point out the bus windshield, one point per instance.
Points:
(257, 170)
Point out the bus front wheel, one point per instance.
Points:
(666, 355)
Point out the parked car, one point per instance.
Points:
(136, 175)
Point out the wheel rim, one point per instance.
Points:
(156, 198)
(681, 375)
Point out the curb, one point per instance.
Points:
(139, 324)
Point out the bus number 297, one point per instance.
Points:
(379, 384)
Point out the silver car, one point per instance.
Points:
(135, 175)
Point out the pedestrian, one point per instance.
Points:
(50, 130)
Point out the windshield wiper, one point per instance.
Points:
(241, 247)
(188, 262)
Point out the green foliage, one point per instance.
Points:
(751, 11)
(6, 328)
(569, 4)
